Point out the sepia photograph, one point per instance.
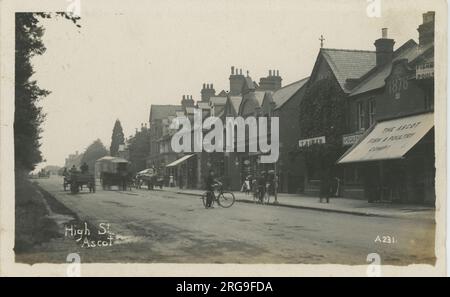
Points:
(223, 133)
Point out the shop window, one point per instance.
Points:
(352, 175)
(372, 111)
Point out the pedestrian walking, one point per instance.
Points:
(246, 186)
(325, 189)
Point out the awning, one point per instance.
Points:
(146, 171)
(390, 139)
(180, 160)
(112, 159)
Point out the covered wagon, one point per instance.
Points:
(113, 171)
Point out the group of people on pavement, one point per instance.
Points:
(262, 186)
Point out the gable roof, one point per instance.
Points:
(348, 64)
(159, 112)
(235, 103)
(281, 96)
(376, 79)
(259, 96)
(253, 100)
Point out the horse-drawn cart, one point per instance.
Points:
(150, 178)
(76, 180)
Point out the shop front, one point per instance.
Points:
(183, 172)
(395, 160)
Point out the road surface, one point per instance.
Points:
(164, 227)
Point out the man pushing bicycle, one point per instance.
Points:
(210, 183)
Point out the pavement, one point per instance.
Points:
(339, 205)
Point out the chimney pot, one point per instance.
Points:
(384, 33)
(211, 86)
(278, 72)
(384, 50)
(203, 86)
(270, 72)
(232, 70)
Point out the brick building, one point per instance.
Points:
(383, 89)
(395, 163)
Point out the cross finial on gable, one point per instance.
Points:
(321, 41)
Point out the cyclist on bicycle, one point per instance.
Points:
(210, 183)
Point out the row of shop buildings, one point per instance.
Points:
(386, 140)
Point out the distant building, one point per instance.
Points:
(73, 160)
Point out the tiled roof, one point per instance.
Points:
(159, 112)
(216, 100)
(203, 105)
(281, 96)
(347, 64)
(376, 80)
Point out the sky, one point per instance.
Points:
(126, 57)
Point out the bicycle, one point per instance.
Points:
(224, 199)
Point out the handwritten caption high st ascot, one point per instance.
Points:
(90, 237)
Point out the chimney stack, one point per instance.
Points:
(187, 101)
(207, 92)
(384, 48)
(426, 29)
(271, 82)
(236, 81)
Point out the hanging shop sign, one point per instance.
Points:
(311, 141)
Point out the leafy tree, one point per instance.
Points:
(92, 153)
(322, 113)
(117, 139)
(139, 148)
(28, 117)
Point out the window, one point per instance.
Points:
(429, 101)
(352, 175)
(372, 111)
(360, 115)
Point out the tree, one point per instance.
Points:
(28, 117)
(139, 148)
(117, 138)
(93, 152)
(323, 113)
